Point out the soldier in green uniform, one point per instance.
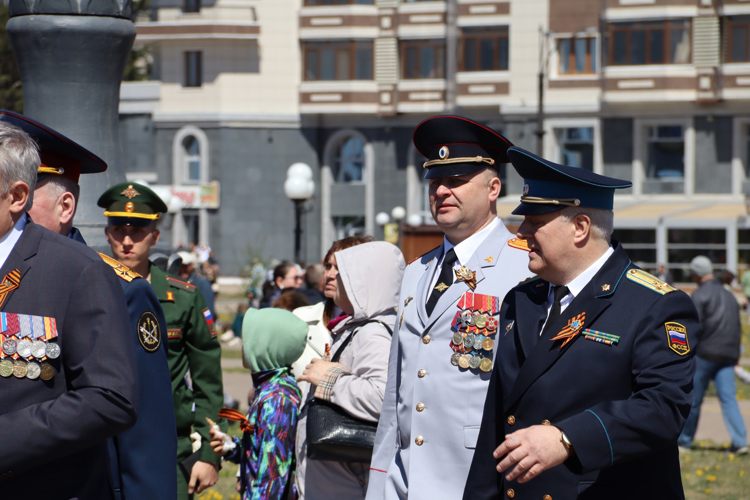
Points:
(133, 211)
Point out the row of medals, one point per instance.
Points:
(30, 369)
(470, 349)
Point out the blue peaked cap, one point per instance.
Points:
(549, 187)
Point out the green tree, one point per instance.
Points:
(140, 61)
(11, 91)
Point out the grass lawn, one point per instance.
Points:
(709, 471)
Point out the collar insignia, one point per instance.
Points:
(605, 287)
(130, 193)
(489, 259)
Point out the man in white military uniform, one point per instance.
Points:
(443, 348)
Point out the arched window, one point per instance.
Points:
(349, 160)
(192, 159)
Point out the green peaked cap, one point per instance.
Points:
(130, 203)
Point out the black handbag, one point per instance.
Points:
(333, 434)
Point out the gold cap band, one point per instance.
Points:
(448, 161)
(133, 215)
(570, 202)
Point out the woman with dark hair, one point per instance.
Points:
(285, 276)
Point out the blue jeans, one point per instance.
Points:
(723, 377)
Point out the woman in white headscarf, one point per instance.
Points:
(369, 281)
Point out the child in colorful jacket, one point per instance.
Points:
(272, 339)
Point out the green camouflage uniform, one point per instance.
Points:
(192, 346)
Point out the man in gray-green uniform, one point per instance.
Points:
(133, 211)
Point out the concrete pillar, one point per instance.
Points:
(72, 56)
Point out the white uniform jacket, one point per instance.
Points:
(432, 409)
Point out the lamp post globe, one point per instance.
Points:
(414, 220)
(381, 219)
(298, 187)
(398, 213)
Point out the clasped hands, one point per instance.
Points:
(315, 371)
(531, 451)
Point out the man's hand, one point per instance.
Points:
(203, 476)
(316, 369)
(532, 450)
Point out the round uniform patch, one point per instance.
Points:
(148, 331)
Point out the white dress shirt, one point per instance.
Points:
(464, 250)
(577, 284)
(9, 240)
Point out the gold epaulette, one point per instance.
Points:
(182, 285)
(519, 244)
(121, 270)
(417, 258)
(650, 281)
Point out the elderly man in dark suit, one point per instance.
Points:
(67, 373)
(593, 379)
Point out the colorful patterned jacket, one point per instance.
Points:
(266, 456)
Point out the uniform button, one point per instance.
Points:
(511, 493)
(511, 420)
(420, 406)
(421, 373)
(546, 422)
(419, 440)
(547, 497)
(426, 339)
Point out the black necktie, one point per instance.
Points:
(560, 292)
(445, 280)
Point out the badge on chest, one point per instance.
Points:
(27, 343)
(474, 326)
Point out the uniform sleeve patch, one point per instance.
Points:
(149, 333)
(209, 321)
(519, 244)
(677, 338)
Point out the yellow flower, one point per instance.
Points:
(687, 458)
(731, 456)
(721, 457)
(699, 472)
(708, 491)
(716, 467)
(711, 478)
(687, 476)
(742, 472)
(725, 446)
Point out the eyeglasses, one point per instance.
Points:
(299, 278)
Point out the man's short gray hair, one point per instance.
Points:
(19, 159)
(58, 185)
(602, 221)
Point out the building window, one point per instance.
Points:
(685, 244)
(192, 157)
(743, 250)
(191, 6)
(191, 220)
(193, 69)
(349, 160)
(640, 245)
(423, 59)
(666, 152)
(738, 29)
(576, 147)
(483, 50)
(338, 60)
(578, 56)
(337, 2)
(652, 42)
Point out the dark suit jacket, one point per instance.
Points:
(142, 458)
(622, 406)
(54, 433)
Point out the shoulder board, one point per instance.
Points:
(120, 269)
(650, 281)
(417, 258)
(182, 285)
(527, 280)
(520, 244)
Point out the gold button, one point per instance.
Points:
(419, 440)
(420, 406)
(511, 420)
(547, 497)
(510, 493)
(426, 339)
(421, 373)
(546, 422)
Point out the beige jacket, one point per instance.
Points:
(371, 274)
(317, 338)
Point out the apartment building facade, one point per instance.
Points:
(654, 91)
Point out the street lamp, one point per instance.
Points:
(298, 187)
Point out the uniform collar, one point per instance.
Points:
(9, 240)
(468, 247)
